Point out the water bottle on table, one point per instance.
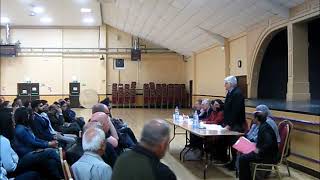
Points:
(195, 123)
(176, 114)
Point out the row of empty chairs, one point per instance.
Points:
(124, 95)
(163, 95)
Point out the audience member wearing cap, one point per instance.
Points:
(267, 147)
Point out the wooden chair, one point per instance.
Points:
(68, 171)
(285, 128)
(62, 163)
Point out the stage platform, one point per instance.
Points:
(304, 107)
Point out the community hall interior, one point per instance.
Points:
(160, 89)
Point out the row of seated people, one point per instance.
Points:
(24, 155)
(37, 130)
(31, 132)
(231, 115)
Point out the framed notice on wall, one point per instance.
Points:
(118, 64)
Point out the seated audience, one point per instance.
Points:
(5, 104)
(107, 102)
(32, 150)
(253, 132)
(69, 115)
(57, 121)
(267, 147)
(91, 165)
(9, 159)
(118, 129)
(108, 128)
(40, 126)
(205, 109)
(143, 161)
(216, 117)
(76, 151)
(65, 139)
(252, 135)
(17, 103)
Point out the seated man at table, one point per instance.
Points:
(143, 161)
(197, 106)
(205, 109)
(216, 117)
(267, 147)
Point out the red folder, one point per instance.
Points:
(244, 146)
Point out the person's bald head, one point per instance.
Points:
(100, 108)
(94, 140)
(102, 118)
(155, 136)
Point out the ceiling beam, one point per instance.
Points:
(220, 39)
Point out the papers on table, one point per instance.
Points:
(244, 145)
(212, 127)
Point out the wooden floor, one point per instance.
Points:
(186, 170)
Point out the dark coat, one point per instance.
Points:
(40, 128)
(205, 114)
(234, 110)
(139, 164)
(267, 144)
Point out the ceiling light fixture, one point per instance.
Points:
(46, 20)
(38, 9)
(88, 20)
(85, 10)
(5, 20)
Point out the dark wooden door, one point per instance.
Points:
(190, 92)
(242, 84)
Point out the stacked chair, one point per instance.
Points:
(163, 95)
(152, 102)
(154, 95)
(126, 102)
(146, 95)
(133, 94)
(124, 95)
(158, 95)
(114, 94)
(120, 95)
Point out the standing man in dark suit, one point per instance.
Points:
(234, 118)
(234, 108)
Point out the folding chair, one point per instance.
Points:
(68, 171)
(62, 164)
(285, 128)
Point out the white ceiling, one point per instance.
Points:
(62, 12)
(184, 26)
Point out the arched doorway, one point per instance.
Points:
(273, 74)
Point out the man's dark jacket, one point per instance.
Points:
(234, 110)
(138, 164)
